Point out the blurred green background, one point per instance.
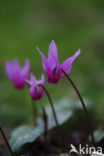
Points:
(72, 24)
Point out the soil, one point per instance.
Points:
(53, 145)
(40, 148)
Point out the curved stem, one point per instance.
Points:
(51, 103)
(34, 111)
(6, 141)
(82, 102)
(54, 112)
(45, 120)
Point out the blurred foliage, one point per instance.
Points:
(72, 24)
(27, 134)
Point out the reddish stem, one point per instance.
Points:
(45, 119)
(82, 102)
(53, 111)
(6, 141)
(51, 103)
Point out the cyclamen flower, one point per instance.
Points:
(51, 65)
(35, 92)
(17, 74)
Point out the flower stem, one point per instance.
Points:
(45, 120)
(34, 111)
(52, 106)
(6, 141)
(82, 102)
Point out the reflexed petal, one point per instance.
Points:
(13, 71)
(42, 81)
(57, 64)
(16, 65)
(8, 69)
(29, 82)
(44, 60)
(52, 50)
(52, 53)
(25, 70)
(16, 69)
(33, 79)
(16, 74)
(67, 64)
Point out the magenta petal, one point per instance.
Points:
(31, 82)
(67, 64)
(42, 81)
(25, 70)
(16, 74)
(8, 69)
(34, 82)
(36, 93)
(52, 53)
(17, 77)
(16, 69)
(13, 70)
(44, 60)
(33, 79)
(52, 50)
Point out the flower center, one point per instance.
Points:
(54, 71)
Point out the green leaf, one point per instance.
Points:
(63, 113)
(28, 134)
(24, 134)
(99, 135)
(74, 104)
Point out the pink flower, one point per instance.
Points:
(34, 91)
(51, 65)
(17, 74)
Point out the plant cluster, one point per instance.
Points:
(37, 88)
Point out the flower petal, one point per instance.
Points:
(52, 53)
(44, 60)
(16, 72)
(34, 93)
(8, 69)
(25, 70)
(67, 64)
(34, 90)
(42, 81)
(29, 82)
(33, 79)
(52, 50)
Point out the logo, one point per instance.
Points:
(73, 149)
(86, 150)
